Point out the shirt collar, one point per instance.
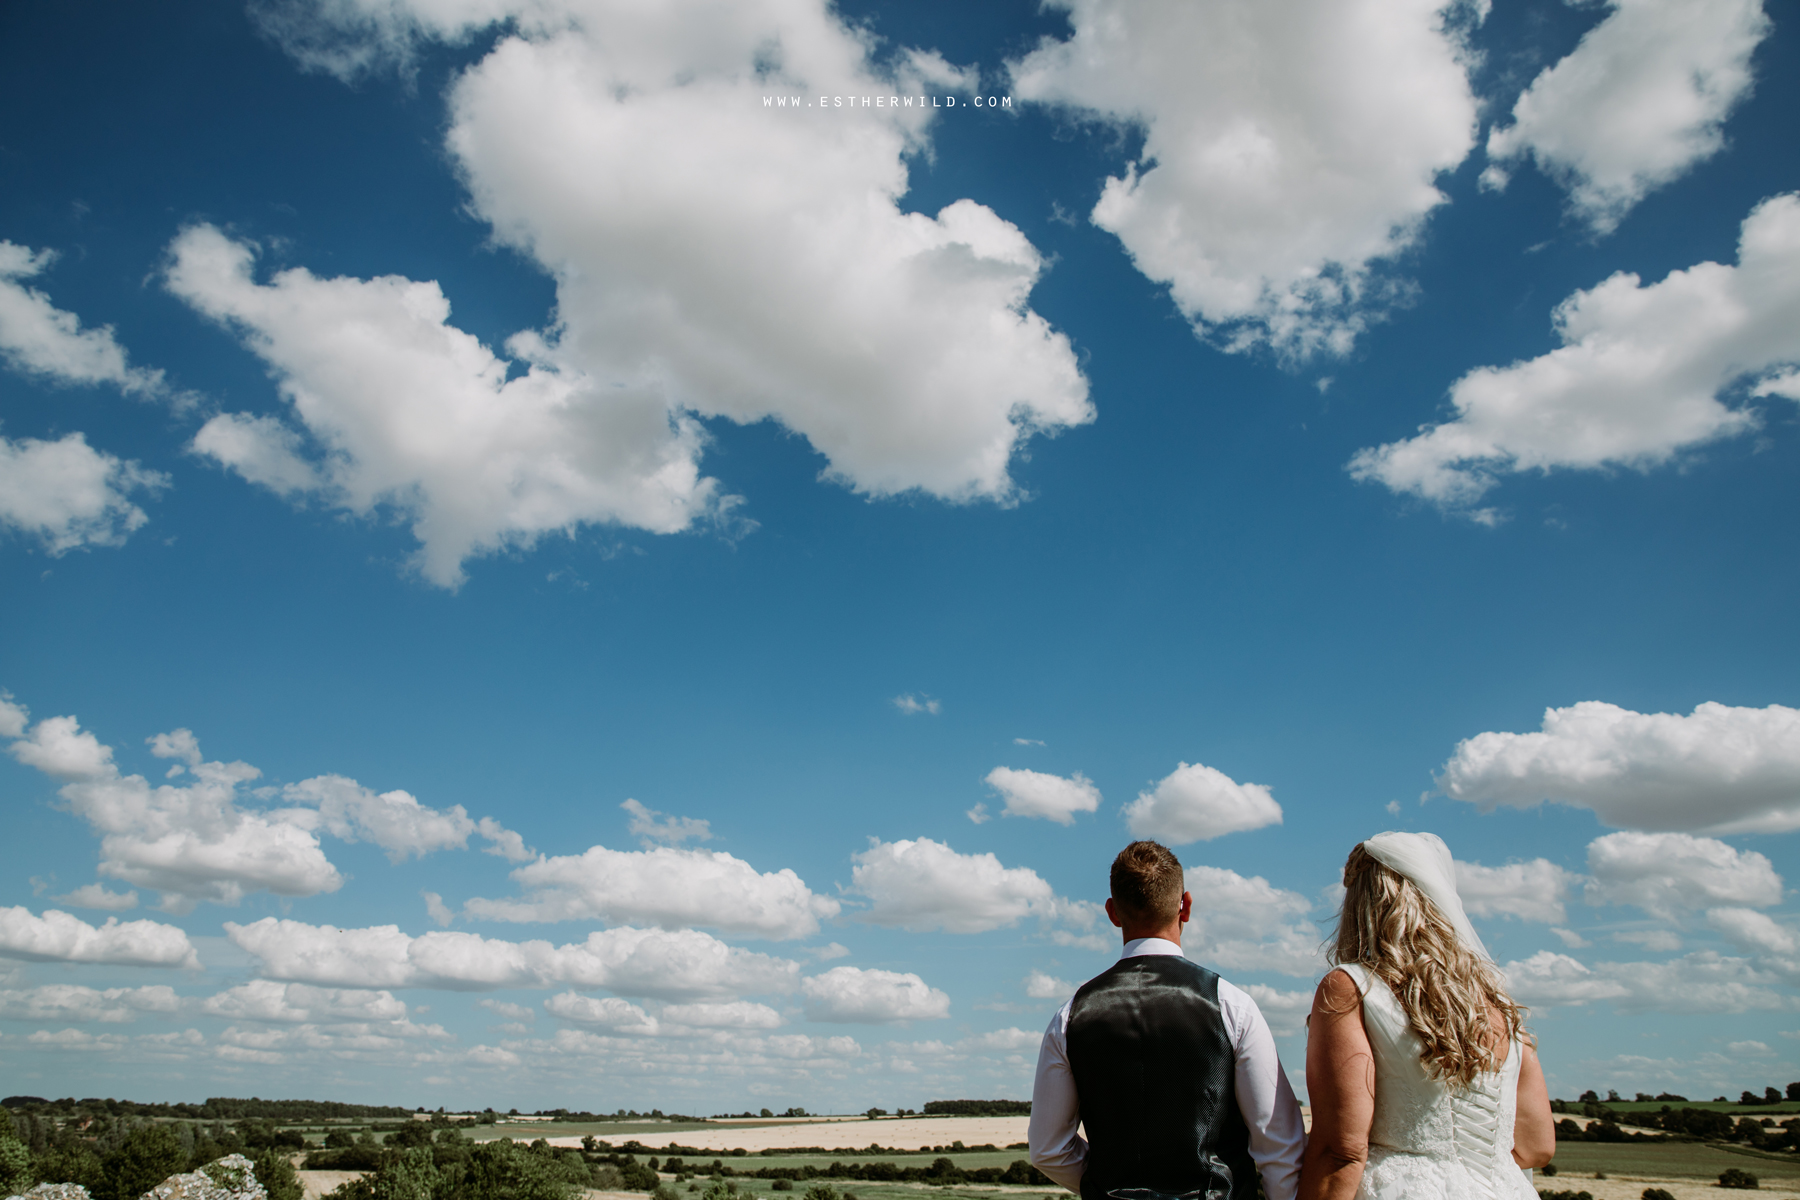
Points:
(1142, 946)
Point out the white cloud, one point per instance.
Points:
(503, 842)
(1751, 930)
(395, 821)
(1284, 1011)
(853, 995)
(1289, 145)
(1666, 874)
(1530, 891)
(70, 1002)
(606, 1012)
(1708, 984)
(666, 886)
(297, 1003)
(1748, 1049)
(1637, 380)
(830, 951)
(1197, 803)
(671, 830)
(712, 258)
(1642, 99)
(1036, 794)
(190, 843)
(1720, 769)
(1570, 938)
(1247, 924)
(731, 1014)
(436, 909)
(678, 965)
(979, 814)
(67, 495)
(1663, 941)
(78, 1040)
(96, 895)
(506, 1008)
(38, 338)
(1041, 985)
(412, 412)
(923, 885)
(913, 705)
(61, 937)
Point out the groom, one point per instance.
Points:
(1172, 1070)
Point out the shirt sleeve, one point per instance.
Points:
(1056, 1148)
(1277, 1135)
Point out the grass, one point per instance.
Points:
(1677, 1160)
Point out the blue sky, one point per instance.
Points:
(1277, 423)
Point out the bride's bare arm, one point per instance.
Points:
(1340, 1086)
(1534, 1136)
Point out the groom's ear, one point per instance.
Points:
(1187, 907)
(1112, 914)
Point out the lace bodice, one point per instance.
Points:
(1429, 1141)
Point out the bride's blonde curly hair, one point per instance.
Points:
(1449, 995)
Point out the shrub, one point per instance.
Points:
(1565, 1196)
(15, 1161)
(820, 1191)
(663, 1191)
(1549, 1169)
(1735, 1178)
(275, 1171)
(148, 1155)
(1658, 1194)
(782, 1185)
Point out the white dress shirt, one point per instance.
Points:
(1277, 1136)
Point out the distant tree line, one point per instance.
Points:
(1747, 1099)
(978, 1108)
(218, 1108)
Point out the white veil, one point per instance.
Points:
(1425, 860)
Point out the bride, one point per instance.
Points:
(1423, 1082)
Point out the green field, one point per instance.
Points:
(1678, 1160)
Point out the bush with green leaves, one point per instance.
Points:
(782, 1185)
(16, 1173)
(275, 1171)
(1734, 1177)
(1658, 1194)
(820, 1191)
(144, 1158)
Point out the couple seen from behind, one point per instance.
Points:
(1423, 1082)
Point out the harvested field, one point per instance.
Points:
(844, 1133)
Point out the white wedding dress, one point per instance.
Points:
(1428, 1141)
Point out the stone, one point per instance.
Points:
(54, 1191)
(230, 1178)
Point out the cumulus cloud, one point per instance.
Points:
(298, 1003)
(1754, 931)
(666, 886)
(37, 338)
(70, 1002)
(1289, 146)
(1284, 1011)
(412, 412)
(852, 995)
(507, 1009)
(190, 842)
(605, 1012)
(1667, 874)
(395, 821)
(1638, 102)
(1709, 983)
(647, 828)
(61, 937)
(65, 495)
(627, 151)
(1638, 379)
(677, 965)
(1530, 891)
(731, 1014)
(923, 885)
(1245, 923)
(1198, 803)
(96, 895)
(503, 842)
(1036, 794)
(913, 705)
(1041, 985)
(1719, 769)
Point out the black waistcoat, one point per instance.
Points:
(1155, 1075)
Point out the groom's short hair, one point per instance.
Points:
(1147, 882)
